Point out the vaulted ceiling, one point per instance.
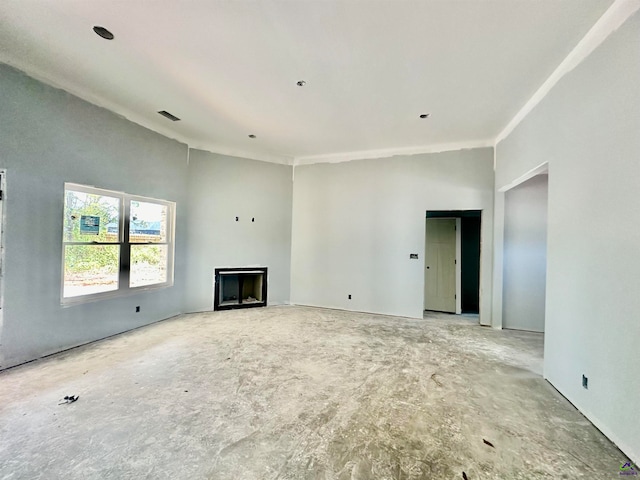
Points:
(229, 69)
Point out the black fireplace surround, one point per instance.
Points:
(240, 288)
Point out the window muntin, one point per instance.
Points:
(114, 243)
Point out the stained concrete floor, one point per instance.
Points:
(298, 393)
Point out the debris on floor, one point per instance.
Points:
(433, 377)
(321, 391)
(487, 442)
(69, 399)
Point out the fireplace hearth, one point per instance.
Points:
(240, 288)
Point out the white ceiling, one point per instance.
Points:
(229, 68)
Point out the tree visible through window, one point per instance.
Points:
(114, 242)
(149, 247)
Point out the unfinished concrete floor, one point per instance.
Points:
(297, 393)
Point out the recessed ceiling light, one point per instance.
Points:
(252, 136)
(168, 115)
(425, 115)
(301, 83)
(103, 32)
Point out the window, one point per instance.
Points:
(114, 243)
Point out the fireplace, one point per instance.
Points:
(240, 288)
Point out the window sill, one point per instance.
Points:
(96, 297)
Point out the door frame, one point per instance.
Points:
(485, 260)
(459, 265)
(498, 240)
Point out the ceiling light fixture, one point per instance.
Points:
(252, 136)
(103, 32)
(168, 115)
(425, 115)
(301, 83)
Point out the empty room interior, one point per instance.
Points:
(319, 239)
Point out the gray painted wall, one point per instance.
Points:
(587, 128)
(47, 138)
(355, 224)
(525, 255)
(221, 188)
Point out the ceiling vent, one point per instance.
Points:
(166, 114)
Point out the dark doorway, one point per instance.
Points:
(470, 267)
(471, 221)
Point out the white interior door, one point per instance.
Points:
(440, 265)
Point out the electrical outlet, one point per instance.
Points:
(349, 296)
(585, 382)
(138, 309)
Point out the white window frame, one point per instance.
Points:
(124, 243)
